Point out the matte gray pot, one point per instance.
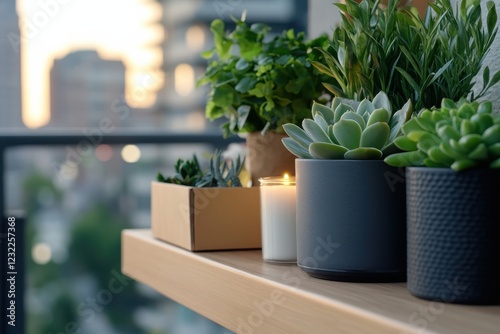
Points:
(351, 223)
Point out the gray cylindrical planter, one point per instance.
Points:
(454, 235)
(351, 220)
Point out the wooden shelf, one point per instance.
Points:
(238, 290)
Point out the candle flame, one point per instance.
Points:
(286, 179)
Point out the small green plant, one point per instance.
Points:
(220, 173)
(458, 135)
(393, 50)
(187, 173)
(260, 83)
(348, 130)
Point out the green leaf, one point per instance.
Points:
(479, 153)
(381, 101)
(461, 165)
(348, 133)
(482, 121)
(495, 163)
(326, 151)
(294, 148)
(363, 153)
(411, 126)
(245, 84)
(405, 144)
(469, 142)
(365, 106)
(448, 132)
(379, 115)
(492, 135)
(467, 128)
(494, 149)
(355, 117)
(485, 107)
(224, 96)
(297, 134)
(314, 131)
(318, 118)
(375, 135)
(242, 64)
(327, 113)
(405, 159)
(340, 110)
(450, 151)
(436, 155)
(491, 20)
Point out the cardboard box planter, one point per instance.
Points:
(201, 219)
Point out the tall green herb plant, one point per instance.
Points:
(396, 51)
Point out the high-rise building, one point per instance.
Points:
(10, 66)
(87, 91)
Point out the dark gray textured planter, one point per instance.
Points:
(351, 220)
(454, 235)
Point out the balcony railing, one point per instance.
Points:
(12, 139)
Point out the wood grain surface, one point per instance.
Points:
(240, 291)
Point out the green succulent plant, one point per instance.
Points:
(221, 173)
(348, 129)
(459, 136)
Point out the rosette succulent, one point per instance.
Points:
(348, 129)
(459, 136)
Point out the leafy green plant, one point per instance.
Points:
(221, 173)
(348, 130)
(259, 83)
(395, 51)
(458, 135)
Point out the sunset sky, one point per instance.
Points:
(127, 30)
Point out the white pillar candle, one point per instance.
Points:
(278, 199)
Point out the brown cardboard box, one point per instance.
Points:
(200, 219)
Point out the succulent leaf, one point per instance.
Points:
(479, 153)
(376, 136)
(379, 115)
(460, 165)
(381, 101)
(365, 107)
(363, 153)
(326, 151)
(348, 133)
(355, 117)
(299, 135)
(318, 118)
(340, 110)
(404, 143)
(294, 148)
(412, 158)
(326, 112)
(492, 134)
(436, 154)
(469, 142)
(315, 131)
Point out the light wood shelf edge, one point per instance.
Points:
(246, 295)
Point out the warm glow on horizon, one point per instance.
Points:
(119, 30)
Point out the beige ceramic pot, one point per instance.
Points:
(267, 156)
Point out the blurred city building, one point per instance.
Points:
(84, 89)
(10, 66)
